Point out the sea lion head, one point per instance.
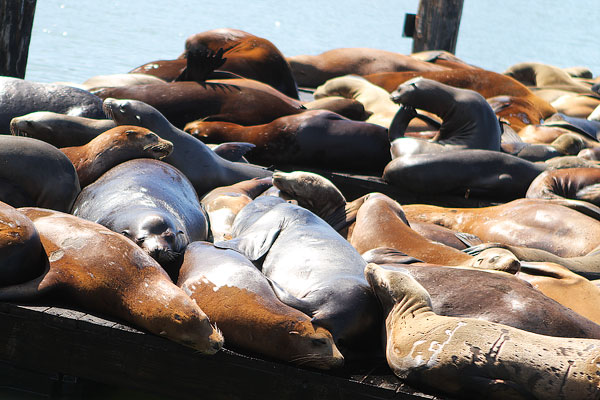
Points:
(138, 141)
(497, 259)
(312, 191)
(314, 347)
(33, 122)
(158, 235)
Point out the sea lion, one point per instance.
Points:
(466, 357)
(201, 165)
(59, 130)
(467, 172)
(517, 111)
(20, 97)
(314, 138)
(222, 204)
(349, 108)
(545, 76)
(313, 70)
(497, 297)
(150, 202)
(221, 280)
(228, 100)
(102, 271)
(523, 222)
(312, 267)
(442, 58)
(486, 83)
(35, 173)
(380, 222)
(570, 183)
(115, 80)
(113, 147)
(468, 120)
(23, 257)
(247, 55)
(576, 105)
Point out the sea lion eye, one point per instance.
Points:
(180, 232)
(126, 234)
(140, 240)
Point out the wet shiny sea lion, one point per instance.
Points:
(35, 173)
(222, 204)
(313, 268)
(150, 202)
(101, 271)
(183, 102)
(475, 172)
(247, 55)
(497, 297)
(380, 222)
(20, 97)
(221, 280)
(570, 183)
(468, 121)
(316, 138)
(22, 257)
(205, 169)
(536, 223)
(467, 357)
(59, 130)
(113, 147)
(486, 83)
(314, 70)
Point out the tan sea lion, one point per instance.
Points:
(101, 271)
(113, 147)
(570, 183)
(576, 105)
(349, 108)
(465, 357)
(220, 281)
(116, 80)
(545, 76)
(59, 130)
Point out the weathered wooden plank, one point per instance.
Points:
(16, 21)
(48, 344)
(436, 25)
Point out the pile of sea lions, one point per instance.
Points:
(115, 200)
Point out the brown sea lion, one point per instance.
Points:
(205, 169)
(380, 222)
(486, 83)
(222, 204)
(517, 111)
(315, 138)
(247, 55)
(21, 253)
(466, 357)
(113, 147)
(101, 271)
(570, 183)
(59, 130)
(227, 100)
(523, 222)
(115, 80)
(221, 280)
(442, 58)
(314, 70)
(35, 173)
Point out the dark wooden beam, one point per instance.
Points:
(16, 21)
(436, 25)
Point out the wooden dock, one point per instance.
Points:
(61, 353)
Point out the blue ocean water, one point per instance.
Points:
(74, 40)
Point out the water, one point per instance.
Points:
(74, 40)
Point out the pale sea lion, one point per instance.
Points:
(124, 283)
(221, 280)
(467, 357)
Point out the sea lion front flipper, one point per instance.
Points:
(400, 122)
(291, 300)
(200, 64)
(254, 244)
(476, 250)
(468, 239)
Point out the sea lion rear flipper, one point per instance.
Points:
(254, 244)
(233, 151)
(290, 300)
(476, 250)
(468, 239)
(27, 291)
(201, 63)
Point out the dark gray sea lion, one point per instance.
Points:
(472, 358)
(59, 130)
(469, 122)
(205, 169)
(19, 97)
(313, 268)
(150, 202)
(220, 281)
(35, 173)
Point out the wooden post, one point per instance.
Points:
(436, 25)
(16, 21)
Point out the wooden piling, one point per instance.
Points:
(436, 25)
(16, 21)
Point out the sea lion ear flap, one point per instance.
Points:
(253, 245)
(291, 300)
